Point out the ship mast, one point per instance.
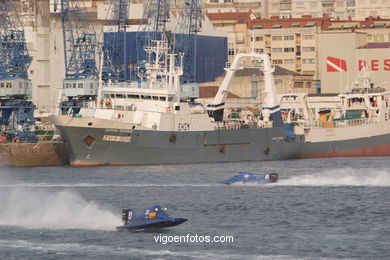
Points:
(161, 67)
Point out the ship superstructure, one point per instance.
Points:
(356, 123)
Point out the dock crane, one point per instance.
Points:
(16, 107)
(153, 24)
(116, 56)
(187, 27)
(80, 52)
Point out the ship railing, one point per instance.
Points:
(233, 124)
(354, 122)
(239, 124)
(338, 123)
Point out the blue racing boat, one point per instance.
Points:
(150, 218)
(248, 177)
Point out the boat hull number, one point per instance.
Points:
(183, 126)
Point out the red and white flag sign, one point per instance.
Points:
(335, 65)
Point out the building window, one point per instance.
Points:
(228, 1)
(289, 37)
(259, 38)
(277, 50)
(289, 61)
(308, 49)
(298, 84)
(288, 49)
(259, 50)
(309, 61)
(376, 38)
(308, 37)
(308, 84)
(240, 37)
(277, 38)
(276, 62)
(231, 52)
(214, 1)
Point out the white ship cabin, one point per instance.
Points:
(366, 105)
(11, 88)
(157, 109)
(80, 87)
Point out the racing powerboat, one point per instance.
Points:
(248, 177)
(150, 218)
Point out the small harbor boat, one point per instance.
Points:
(248, 177)
(150, 218)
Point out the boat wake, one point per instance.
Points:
(340, 177)
(129, 252)
(52, 210)
(93, 185)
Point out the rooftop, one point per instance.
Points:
(376, 45)
(326, 23)
(279, 71)
(239, 17)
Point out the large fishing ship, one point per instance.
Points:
(356, 123)
(146, 122)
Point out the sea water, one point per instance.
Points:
(319, 209)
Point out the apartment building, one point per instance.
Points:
(301, 44)
(342, 9)
(235, 25)
(215, 6)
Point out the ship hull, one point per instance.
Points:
(363, 147)
(90, 146)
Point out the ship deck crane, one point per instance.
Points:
(16, 107)
(80, 51)
(271, 110)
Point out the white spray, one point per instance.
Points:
(340, 177)
(54, 210)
